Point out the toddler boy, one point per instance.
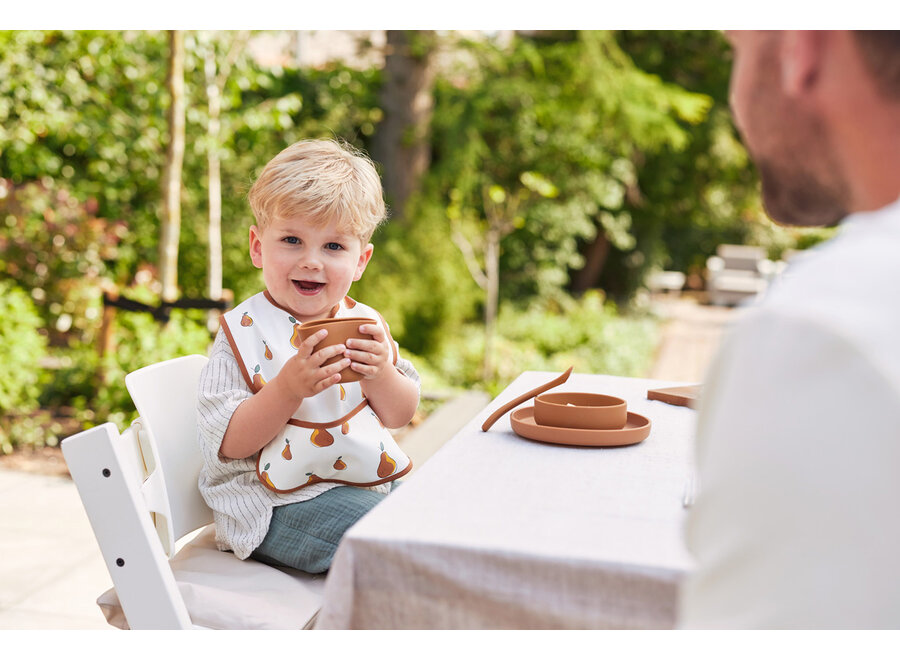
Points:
(292, 455)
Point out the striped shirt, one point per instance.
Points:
(242, 505)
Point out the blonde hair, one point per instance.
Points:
(323, 181)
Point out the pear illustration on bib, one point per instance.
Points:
(386, 465)
(286, 452)
(268, 352)
(339, 464)
(246, 321)
(258, 380)
(321, 437)
(264, 475)
(295, 337)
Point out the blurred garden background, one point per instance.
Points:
(535, 180)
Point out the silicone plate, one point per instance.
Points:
(637, 428)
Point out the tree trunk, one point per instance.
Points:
(401, 143)
(595, 259)
(214, 227)
(171, 181)
(491, 300)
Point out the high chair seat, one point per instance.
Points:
(139, 489)
(224, 593)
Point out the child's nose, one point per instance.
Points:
(310, 260)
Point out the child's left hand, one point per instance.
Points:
(372, 358)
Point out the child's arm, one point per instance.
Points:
(256, 421)
(392, 396)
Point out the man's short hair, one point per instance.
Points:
(881, 53)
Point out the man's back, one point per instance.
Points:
(798, 446)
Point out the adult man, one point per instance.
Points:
(798, 443)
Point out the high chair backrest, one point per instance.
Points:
(143, 478)
(165, 395)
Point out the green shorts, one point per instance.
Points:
(305, 535)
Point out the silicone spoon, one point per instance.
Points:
(497, 414)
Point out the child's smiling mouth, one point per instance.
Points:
(308, 288)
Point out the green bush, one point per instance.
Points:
(55, 247)
(588, 334)
(141, 341)
(92, 389)
(22, 349)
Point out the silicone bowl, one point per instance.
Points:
(339, 331)
(580, 410)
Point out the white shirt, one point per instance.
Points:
(798, 448)
(242, 505)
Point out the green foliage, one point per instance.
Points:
(86, 108)
(141, 341)
(56, 248)
(417, 280)
(576, 113)
(92, 389)
(588, 334)
(705, 193)
(22, 349)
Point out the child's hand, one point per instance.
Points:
(370, 357)
(303, 374)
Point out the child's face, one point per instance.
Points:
(307, 269)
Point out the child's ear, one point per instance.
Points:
(255, 246)
(364, 257)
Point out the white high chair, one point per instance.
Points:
(139, 489)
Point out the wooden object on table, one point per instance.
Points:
(683, 395)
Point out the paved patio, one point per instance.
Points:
(51, 570)
(691, 337)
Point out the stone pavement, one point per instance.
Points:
(691, 336)
(51, 569)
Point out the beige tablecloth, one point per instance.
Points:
(496, 531)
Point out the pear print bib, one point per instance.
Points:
(334, 435)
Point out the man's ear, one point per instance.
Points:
(256, 246)
(364, 257)
(801, 60)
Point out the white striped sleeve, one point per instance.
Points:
(221, 390)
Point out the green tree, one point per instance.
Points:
(706, 193)
(566, 118)
(85, 108)
(22, 348)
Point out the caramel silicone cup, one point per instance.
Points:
(339, 331)
(580, 410)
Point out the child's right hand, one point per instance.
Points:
(303, 374)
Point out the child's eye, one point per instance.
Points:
(291, 240)
(334, 246)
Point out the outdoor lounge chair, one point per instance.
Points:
(139, 489)
(737, 273)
